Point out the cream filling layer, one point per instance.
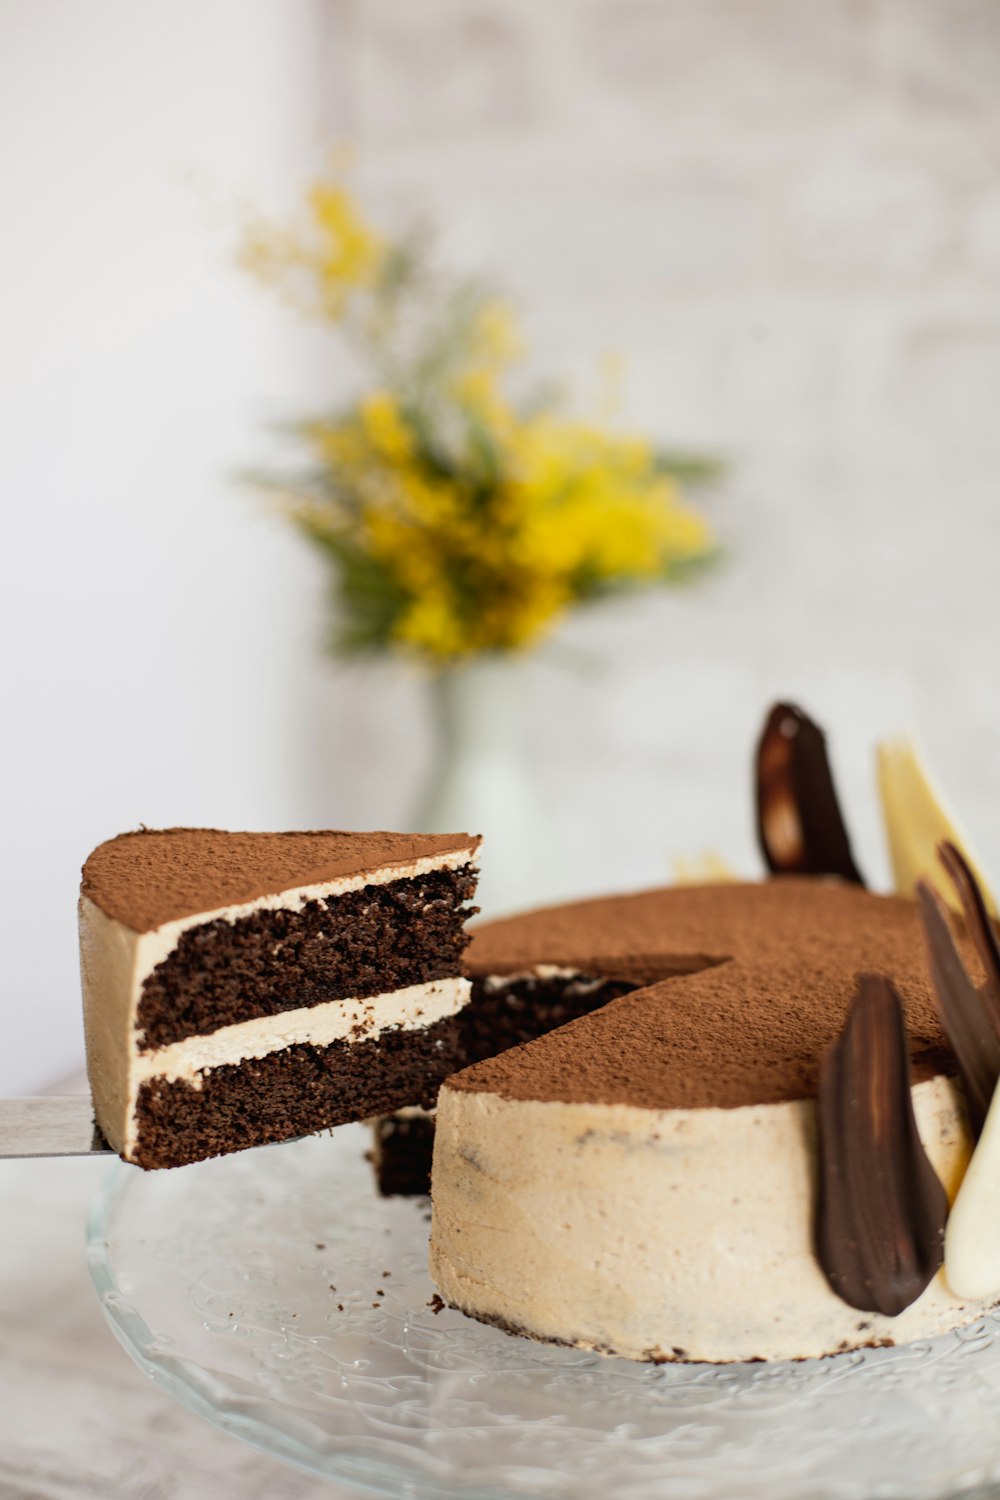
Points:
(493, 983)
(350, 1021)
(660, 1233)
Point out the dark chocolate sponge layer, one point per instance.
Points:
(404, 1147)
(365, 942)
(297, 1091)
(505, 1014)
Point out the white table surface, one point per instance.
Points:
(78, 1421)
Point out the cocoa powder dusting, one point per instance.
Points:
(152, 876)
(770, 973)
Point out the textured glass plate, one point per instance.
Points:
(219, 1279)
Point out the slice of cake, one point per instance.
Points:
(643, 1180)
(241, 988)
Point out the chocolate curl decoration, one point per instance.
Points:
(882, 1210)
(977, 919)
(970, 1016)
(799, 822)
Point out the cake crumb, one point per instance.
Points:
(437, 1304)
(320, 1247)
(332, 1287)
(340, 1307)
(380, 1293)
(386, 1273)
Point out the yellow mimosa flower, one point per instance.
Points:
(457, 520)
(320, 265)
(496, 336)
(385, 428)
(349, 251)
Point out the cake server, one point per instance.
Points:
(50, 1125)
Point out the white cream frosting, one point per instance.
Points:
(580, 983)
(646, 1233)
(115, 962)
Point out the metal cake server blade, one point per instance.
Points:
(50, 1125)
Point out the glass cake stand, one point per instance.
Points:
(276, 1295)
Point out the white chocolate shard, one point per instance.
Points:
(917, 819)
(972, 1237)
(703, 869)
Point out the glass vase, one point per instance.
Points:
(481, 778)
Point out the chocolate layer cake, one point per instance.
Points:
(241, 988)
(642, 1181)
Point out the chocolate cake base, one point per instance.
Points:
(295, 1091)
(673, 1356)
(403, 1148)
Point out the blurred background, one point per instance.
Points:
(784, 219)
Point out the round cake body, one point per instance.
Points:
(643, 1181)
(659, 1235)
